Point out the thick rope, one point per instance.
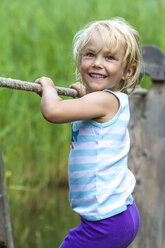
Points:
(28, 86)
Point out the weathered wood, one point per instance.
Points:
(5, 226)
(153, 63)
(147, 161)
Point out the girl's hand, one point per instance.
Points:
(80, 88)
(45, 82)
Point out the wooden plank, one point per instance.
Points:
(5, 225)
(147, 161)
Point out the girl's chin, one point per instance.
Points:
(92, 86)
(90, 90)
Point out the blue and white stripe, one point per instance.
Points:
(99, 179)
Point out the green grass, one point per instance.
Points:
(36, 40)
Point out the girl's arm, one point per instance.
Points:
(91, 106)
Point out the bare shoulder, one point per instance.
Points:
(107, 102)
(103, 98)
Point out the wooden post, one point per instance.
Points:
(147, 160)
(6, 240)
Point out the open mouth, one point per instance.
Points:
(97, 75)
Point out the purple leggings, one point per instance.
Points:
(115, 232)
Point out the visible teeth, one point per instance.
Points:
(97, 76)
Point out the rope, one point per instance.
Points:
(33, 87)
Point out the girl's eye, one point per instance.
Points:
(110, 57)
(90, 55)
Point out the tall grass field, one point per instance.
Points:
(36, 40)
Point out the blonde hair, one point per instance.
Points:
(122, 33)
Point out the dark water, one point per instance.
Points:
(44, 220)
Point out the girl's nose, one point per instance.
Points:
(98, 62)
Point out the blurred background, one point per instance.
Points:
(36, 40)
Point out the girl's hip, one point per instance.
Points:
(115, 232)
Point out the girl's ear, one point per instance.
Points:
(129, 72)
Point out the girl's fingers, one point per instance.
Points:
(80, 88)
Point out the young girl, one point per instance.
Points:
(107, 58)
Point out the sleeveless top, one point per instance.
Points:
(99, 179)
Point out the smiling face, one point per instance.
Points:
(100, 68)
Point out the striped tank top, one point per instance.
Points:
(100, 182)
